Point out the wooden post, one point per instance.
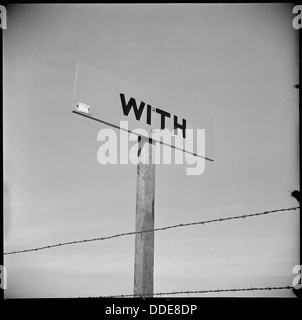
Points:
(144, 242)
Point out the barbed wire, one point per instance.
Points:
(153, 230)
(199, 292)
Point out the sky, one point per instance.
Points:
(235, 64)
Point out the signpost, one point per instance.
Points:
(144, 242)
(120, 104)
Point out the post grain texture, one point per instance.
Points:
(144, 242)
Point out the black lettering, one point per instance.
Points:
(149, 110)
(132, 104)
(179, 126)
(163, 114)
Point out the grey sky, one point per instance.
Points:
(235, 64)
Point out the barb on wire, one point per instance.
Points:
(201, 292)
(153, 230)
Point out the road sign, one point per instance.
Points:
(104, 98)
(112, 100)
(82, 107)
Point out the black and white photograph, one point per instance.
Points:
(151, 151)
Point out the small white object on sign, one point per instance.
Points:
(84, 108)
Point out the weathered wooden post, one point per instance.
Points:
(144, 242)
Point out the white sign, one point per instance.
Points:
(112, 100)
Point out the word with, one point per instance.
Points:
(3, 17)
(297, 19)
(2, 277)
(297, 279)
(163, 114)
(108, 152)
(122, 310)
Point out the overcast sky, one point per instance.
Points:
(235, 64)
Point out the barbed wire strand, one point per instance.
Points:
(201, 292)
(153, 230)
